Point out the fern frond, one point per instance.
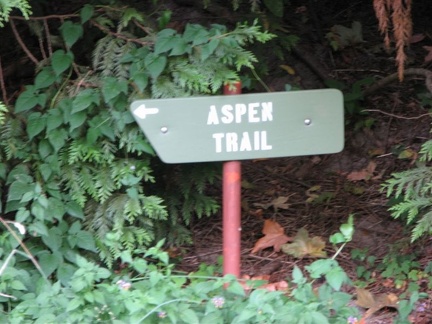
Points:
(415, 188)
(104, 184)
(153, 207)
(3, 111)
(108, 57)
(163, 87)
(423, 227)
(426, 151)
(6, 8)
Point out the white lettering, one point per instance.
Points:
(253, 112)
(212, 116)
(267, 111)
(256, 141)
(264, 145)
(240, 110)
(228, 114)
(245, 144)
(231, 142)
(218, 137)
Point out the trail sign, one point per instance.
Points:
(240, 127)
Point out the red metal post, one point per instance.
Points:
(231, 206)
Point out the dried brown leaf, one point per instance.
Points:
(428, 57)
(303, 246)
(274, 237)
(364, 174)
(374, 303)
(277, 203)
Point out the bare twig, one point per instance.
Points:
(48, 37)
(119, 35)
(21, 43)
(24, 247)
(3, 86)
(41, 46)
(395, 76)
(44, 17)
(397, 116)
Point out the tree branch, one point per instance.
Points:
(395, 76)
(21, 43)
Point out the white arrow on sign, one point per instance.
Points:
(142, 111)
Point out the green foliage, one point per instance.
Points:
(3, 111)
(353, 101)
(6, 7)
(148, 291)
(76, 170)
(412, 192)
(401, 268)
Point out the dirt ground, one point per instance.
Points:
(323, 190)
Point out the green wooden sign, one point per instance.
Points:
(240, 127)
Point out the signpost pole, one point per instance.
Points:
(231, 206)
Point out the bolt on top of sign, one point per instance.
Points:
(239, 127)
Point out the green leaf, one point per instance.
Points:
(36, 123)
(61, 61)
(18, 189)
(189, 316)
(102, 273)
(209, 48)
(164, 41)
(92, 135)
(71, 32)
(57, 138)
(245, 315)
(26, 100)
(276, 7)
(112, 87)
(86, 241)
(54, 119)
(336, 277)
(318, 318)
(38, 228)
(85, 99)
(236, 288)
(196, 34)
(179, 46)
(49, 262)
(22, 215)
(320, 267)
(297, 276)
(17, 285)
(73, 209)
(76, 120)
(56, 208)
(75, 228)
(86, 13)
(337, 238)
(155, 64)
(65, 272)
(54, 239)
(45, 170)
(140, 265)
(44, 148)
(74, 304)
(347, 229)
(45, 78)
(141, 80)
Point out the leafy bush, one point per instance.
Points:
(412, 192)
(7, 6)
(75, 169)
(148, 290)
